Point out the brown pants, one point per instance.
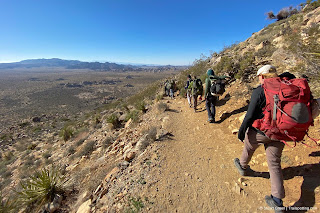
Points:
(273, 152)
(195, 100)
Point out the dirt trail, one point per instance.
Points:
(197, 171)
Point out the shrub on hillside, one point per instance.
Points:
(225, 65)
(283, 13)
(134, 115)
(87, 149)
(114, 120)
(141, 106)
(7, 205)
(67, 132)
(310, 5)
(162, 107)
(41, 188)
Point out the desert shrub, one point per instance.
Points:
(245, 62)
(141, 105)
(24, 124)
(67, 132)
(41, 187)
(162, 107)
(29, 162)
(225, 65)
(152, 133)
(160, 96)
(79, 142)
(71, 150)
(48, 161)
(134, 115)
(8, 156)
(311, 5)
(36, 129)
(87, 149)
(7, 205)
(97, 119)
(283, 13)
(266, 51)
(6, 174)
(135, 205)
(32, 146)
(107, 142)
(114, 120)
(46, 155)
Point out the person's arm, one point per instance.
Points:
(207, 87)
(253, 110)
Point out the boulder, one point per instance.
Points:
(142, 143)
(85, 207)
(111, 174)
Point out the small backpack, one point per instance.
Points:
(287, 114)
(197, 88)
(217, 87)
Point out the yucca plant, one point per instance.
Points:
(114, 120)
(41, 187)
(7, 206)
(141, 106)
(67, 132)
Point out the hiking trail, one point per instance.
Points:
(198, 174)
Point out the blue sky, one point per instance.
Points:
(136, 31)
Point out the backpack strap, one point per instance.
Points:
(295, 143)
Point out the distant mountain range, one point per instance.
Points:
(75, 64)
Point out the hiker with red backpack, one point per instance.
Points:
(279, 111)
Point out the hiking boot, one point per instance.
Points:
(272, 203)
(242, 171)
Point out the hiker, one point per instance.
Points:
(188, 90)
(172, 88)
(214, 88)
(196, 90)
(166, 87)
(252, 137)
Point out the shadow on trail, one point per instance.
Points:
(172, 110)
(224, 100)
(166, 136)
(309, 187)
(236, 111)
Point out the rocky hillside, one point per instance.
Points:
(150, 153)
(291, 45)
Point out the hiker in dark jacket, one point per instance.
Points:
(211, 100)
(195, 91)
(253, 137)
(188, 90)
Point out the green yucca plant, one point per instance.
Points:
(41, 187)
(67, 132)
(7, 206)
(114, 120)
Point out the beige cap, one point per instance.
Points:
(266, 69)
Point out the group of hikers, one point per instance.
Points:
(170, 87)
(280, 110)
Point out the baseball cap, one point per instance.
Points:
(266, 69)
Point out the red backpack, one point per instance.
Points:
(287, 114)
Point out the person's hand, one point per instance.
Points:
(241, 135)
